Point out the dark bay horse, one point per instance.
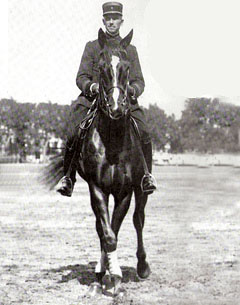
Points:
(111, 163)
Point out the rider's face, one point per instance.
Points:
(112, 23)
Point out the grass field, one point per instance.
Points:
(49, 245)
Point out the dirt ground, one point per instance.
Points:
(49, 245)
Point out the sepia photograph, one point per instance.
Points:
(119, 152)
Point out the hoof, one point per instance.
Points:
(94, 290)
(143, 270)
(117, 280)
(112, 285)
(100, 276)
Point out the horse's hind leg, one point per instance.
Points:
(143, 269)
(121, 207)
(100, 268)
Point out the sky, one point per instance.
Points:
(187, 48)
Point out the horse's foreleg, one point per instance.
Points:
(143, 269)
(101, 266)
(108, 240)
(120, 210)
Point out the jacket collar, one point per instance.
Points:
(110, 37)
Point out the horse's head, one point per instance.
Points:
(113, 78)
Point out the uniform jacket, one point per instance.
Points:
(88, 70)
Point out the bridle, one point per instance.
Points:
(104, 97)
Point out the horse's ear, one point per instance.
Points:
(125, 42)
(101, 38)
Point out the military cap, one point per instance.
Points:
(112, 8)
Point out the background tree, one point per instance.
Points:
(206, 125)
(174, 134)
(157, 121)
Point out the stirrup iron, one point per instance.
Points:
(149, 191)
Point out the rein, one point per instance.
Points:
(91, 114)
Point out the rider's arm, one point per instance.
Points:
(136, 79)
(84, 78)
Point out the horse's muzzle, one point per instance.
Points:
(116, 114)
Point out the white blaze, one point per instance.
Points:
(115, 61)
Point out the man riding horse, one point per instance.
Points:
(87, 82)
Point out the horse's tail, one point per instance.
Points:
(53, 172)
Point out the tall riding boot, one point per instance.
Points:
(148, 182)
(68, 180)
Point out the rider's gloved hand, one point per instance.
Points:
(94, 88)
